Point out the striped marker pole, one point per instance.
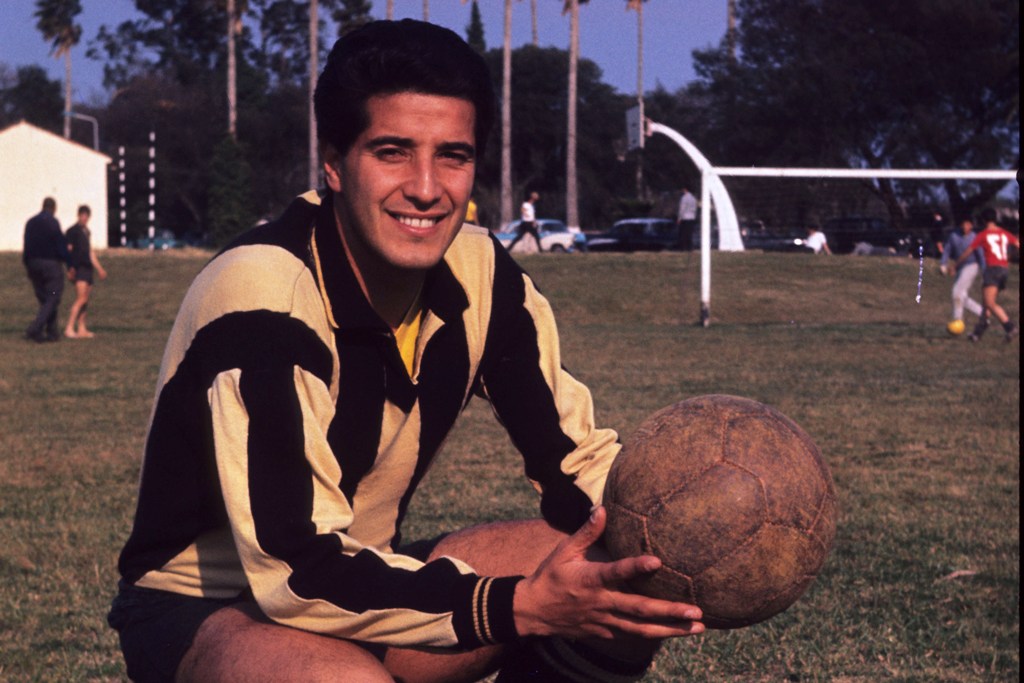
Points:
(152, 190)
(122, 197)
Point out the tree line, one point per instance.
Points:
(834, 83)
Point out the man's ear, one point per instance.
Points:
(332, 162)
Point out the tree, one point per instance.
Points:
(351, 14)
(538, 157)
(572, 7)
(853, 83)
(230, 210)
(28, 94)
(234, 26)
(638, 5)
(314, 68)
(506, 118)
(475, 30)
(56, 21)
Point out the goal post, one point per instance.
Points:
(716, 196)
(714, 175)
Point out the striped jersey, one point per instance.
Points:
(287, 435)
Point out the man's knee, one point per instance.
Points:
(241, 644)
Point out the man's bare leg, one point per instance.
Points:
(241, 644)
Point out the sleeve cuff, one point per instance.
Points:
(487, 618)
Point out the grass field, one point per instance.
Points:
(921, 431)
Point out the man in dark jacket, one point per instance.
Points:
(44, 250)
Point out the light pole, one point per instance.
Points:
(95, 127)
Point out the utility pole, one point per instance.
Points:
(314, 66)
(232, 72)
(640, 93)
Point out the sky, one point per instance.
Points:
(608, 35)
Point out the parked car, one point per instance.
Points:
(164, 239)
(637, 234)
(756, 235)
(844, 234)
(555, 236)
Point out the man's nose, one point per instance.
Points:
(423, 186)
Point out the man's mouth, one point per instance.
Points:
(417, 223)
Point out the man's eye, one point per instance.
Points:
(457, 157)
(390, 154)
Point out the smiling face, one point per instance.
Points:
(402, 189)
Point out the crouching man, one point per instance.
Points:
(315, 369)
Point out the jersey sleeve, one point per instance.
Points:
(548, 413)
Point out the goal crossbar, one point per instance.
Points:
(914, 174)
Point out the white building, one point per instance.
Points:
(35, 164)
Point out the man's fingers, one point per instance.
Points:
(590, 532)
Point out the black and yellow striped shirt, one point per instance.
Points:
(287, 436)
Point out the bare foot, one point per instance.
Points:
(70, 334)
(85, 334)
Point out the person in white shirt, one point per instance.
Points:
(686, 217)
(528, 220)
(816, 240)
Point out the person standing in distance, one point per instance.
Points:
(956, 244)
(995, 242)
(85, 264)
(316, 367)
(43, 253)
(686, 219)
(528, 220)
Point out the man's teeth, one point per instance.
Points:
(417, 222)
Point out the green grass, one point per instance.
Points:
(921, 431)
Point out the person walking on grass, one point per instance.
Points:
(958, 242)
(44, 251)
(995, 242)
(85, 266)
(528, 220)
(316, 366)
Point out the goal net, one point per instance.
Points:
(902, 210)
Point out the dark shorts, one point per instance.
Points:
(994, 276)
(83, 274)
(156, 628)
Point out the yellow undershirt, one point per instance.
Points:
(407, 333)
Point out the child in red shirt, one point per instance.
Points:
(995, 243)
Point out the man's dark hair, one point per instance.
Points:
(389, 57)
(988, 215)
(49, 204)
(84, 208)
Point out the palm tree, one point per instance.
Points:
(572, 219)
(638, 5)
(55, 19)
(506, 119)
(533, 22)
(314, 67)
(390, 10)
(233, 22)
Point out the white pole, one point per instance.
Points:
(121, 195)
(152, 190)
(705, 248)
(913, 174)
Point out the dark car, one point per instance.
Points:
(756, 235)
(636, 234)
(845, 234)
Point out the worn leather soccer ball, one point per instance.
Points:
(733, 497)
(955, 327)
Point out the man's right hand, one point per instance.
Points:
(573, 597)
